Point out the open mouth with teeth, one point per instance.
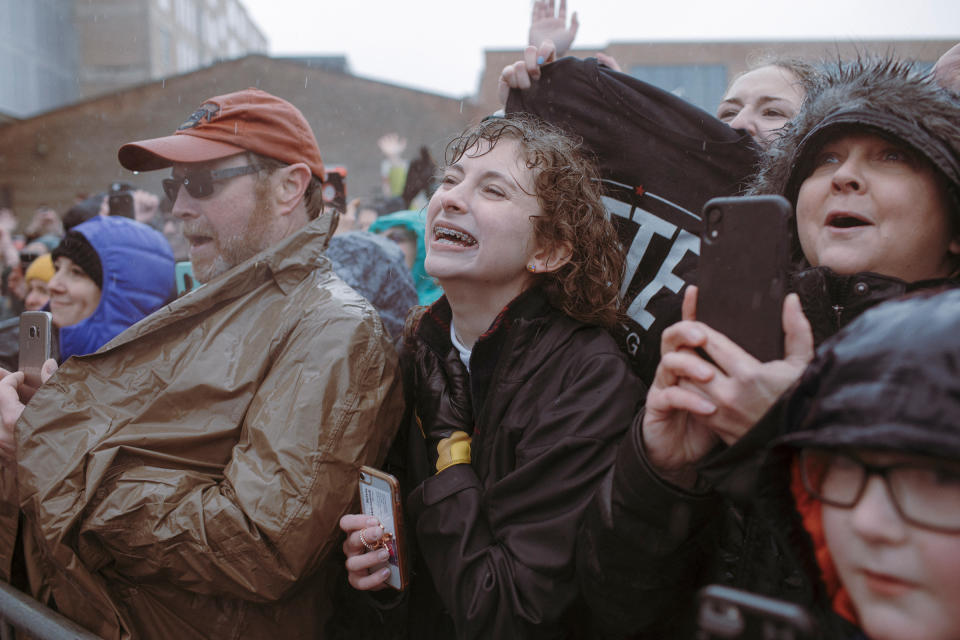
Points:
(846, 221)
(446, 235)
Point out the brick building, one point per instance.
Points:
(53, 157)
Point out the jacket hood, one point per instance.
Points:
(889, 380)
(428, 291)
(878, 95)
(374, 267)
(138, 278)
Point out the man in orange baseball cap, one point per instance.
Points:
(246, 173)
(187, 480)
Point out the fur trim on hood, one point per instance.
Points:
(884, 95)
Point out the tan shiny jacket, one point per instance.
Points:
(186, 481)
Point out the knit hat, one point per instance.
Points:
(223, 126)
(40, 269)
(76, 247)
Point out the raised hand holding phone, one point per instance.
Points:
(36, 335)
(36, 367)
(708, 388)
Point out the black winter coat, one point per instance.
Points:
(887, 382)
(552, 398)
(680, 541)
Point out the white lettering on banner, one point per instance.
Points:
(684, 243)
(650, 225)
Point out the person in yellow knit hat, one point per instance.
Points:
(37, 277)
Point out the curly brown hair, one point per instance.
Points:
(567, 186)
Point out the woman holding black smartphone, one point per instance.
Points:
(518, 394)
(872, 167)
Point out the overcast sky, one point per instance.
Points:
(437, 45)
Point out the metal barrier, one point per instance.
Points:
(20, 611)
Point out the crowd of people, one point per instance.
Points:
(515, 338)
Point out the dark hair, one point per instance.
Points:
(567, 188)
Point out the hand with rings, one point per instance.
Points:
(367, 556)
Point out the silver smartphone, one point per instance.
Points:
(35, 344)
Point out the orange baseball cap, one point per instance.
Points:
(248, 120)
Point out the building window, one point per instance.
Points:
(701, 84)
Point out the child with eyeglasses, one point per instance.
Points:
(868, 473)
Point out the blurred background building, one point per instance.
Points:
(55, 52)
(78, 78)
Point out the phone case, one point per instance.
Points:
(744, 262)
(183, 271)
(726, 612)
(380, 498)
(35, 349)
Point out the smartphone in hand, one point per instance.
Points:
(745, 251)
(35, 344)
(380, 498)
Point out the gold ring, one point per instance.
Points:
(365, 543)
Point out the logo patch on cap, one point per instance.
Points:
(207, 112)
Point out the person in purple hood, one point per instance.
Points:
(110, 272)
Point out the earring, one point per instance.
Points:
(531, 268)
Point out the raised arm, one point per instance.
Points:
(655, 497)
(522, 73)
(547, 24)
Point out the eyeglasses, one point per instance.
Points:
(199, 184)
(925, 495)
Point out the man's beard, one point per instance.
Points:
(253, 238)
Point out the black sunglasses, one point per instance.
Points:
(199, 184)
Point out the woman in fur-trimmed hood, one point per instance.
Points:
(885, 218)
(881, 97)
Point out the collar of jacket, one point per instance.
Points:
(434, 327)
(831, 300)
(493, 350)
(286, 263)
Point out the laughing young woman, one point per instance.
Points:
(519, 395)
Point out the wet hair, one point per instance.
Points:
(805, 73)
(567, 188)
(312, 196)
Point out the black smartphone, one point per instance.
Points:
(120, 200)
(725, 612)
(744, 264)
(35, 344)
